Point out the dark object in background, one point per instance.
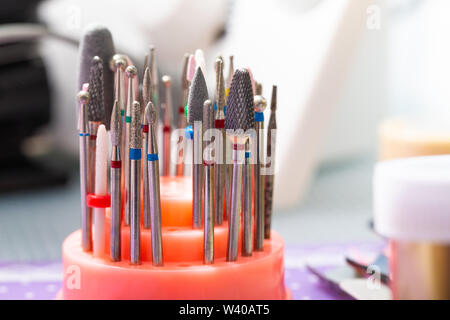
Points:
(24, 104)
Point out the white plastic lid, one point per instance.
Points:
(412, 199)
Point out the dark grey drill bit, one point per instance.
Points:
(197, 96)
(86, 216)
(182, 121)
(115, 181)
(209, 164)
(167, 123)
(260, 105)
(238, 122)
(97, 41)
(135, 183)
(154, 185)
(220, 167)
(271, 149)
(228, 166)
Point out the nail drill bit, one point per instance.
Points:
(101, 189)
(182, 122)
(131, 73)
(154, 79)
(115, 181)
(86, 218)
(228, 170)
(260, 105)
(271, 149)
(135, 183)
(209, 161)
(247, 206)
(145, 181)
(96, 114)
(154, 186)
(97, 41)
(238, 121)
(197, 96)
(167, 123)
(220, 166)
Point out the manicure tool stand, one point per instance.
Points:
(183, 276)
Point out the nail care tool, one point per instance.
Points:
(182, 121)
(115, 181)
(167, 123)
(219, 123)
(135, 143)
(198, 94)
(228, 167)
(238, 121)
(270, 164)
(101, 189)
(86, 218)
(260, 105)
(131, 73)
(154, 185)
(209, 164)
(247, 204)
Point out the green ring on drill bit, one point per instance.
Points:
(128, 119)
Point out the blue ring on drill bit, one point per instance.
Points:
(83, 134)
(152, 157)
(215, 106)
(259, 117)
(135, 154)
(247, 154)
(189, 133)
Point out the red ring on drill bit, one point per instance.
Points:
(98, 201)
(116, 164)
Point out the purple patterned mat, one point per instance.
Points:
(42, 281)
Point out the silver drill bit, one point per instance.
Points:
(181, 122)
(95, 113)
(247, 206)
(220, 167)
(197, 96)
(209, 163)
(238, 122)
(154, 186)
(167, 123)
(135, 183)
(115, 181)
(260, 105)
(154, 77)
(271, 149)
(146, 86)
(86, 217)
(131, 73)
(145, 181)
(228, 166)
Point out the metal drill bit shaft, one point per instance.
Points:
(182, 121)
(115, 181)
(271, 149)
(238, 122)
(167, 123)
(145, 181)
(247, 206)
(135, 183)
(228, 166)
(154, 79)
(260, 105)
(197, 96)
(86, 217)
(154, 186)
(95, 114)
(209, 163)
(146, 86)
(220, 167)
(131, 73)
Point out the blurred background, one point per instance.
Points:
(342, 67)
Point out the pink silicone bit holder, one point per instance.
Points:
(183, 276)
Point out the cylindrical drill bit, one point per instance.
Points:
(220, 167)
(238, 122)
(247, 205)
(131, 73)
(96, 114)
(154, 79)
(209, 162)
(115, 181)
(271, 149)
(181, 121)
(227, 156)
(154, 186)
(97, 41)
(167, 124)
(86, 217)
(145, 181)
(260, 105)
(135, 183)
(197, 96)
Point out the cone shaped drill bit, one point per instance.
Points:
(96, 106)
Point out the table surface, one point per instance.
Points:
(337, 209)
